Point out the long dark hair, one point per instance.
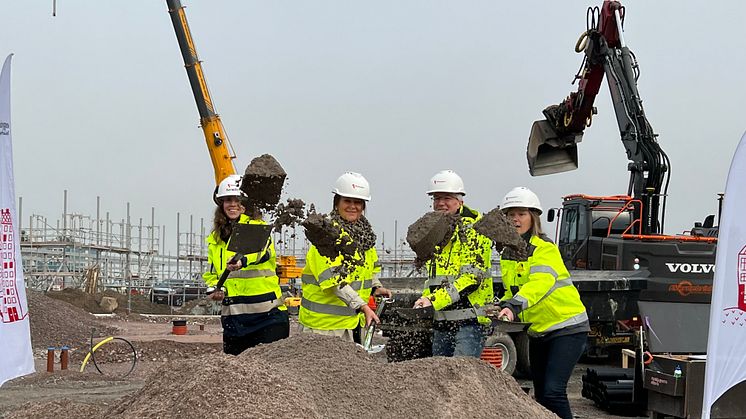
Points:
(221, 225)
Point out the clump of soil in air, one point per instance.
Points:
(432, 230)
(501, 231)
(262, 183)
(313, 376)
(290, 214)
(325, 235)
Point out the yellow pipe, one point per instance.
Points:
(98, 345)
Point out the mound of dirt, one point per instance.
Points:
(501, 231)
(56, 409)
(151, 351)
(314, 376)
(90, 302)
(57, 323)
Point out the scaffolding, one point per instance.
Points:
(96, 253)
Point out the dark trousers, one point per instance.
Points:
(234, 345)
(552, 361)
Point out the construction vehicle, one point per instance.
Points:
(218, 145)
(627, 271)
(629, 274)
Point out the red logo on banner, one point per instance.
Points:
(10, 304)
(742, 279)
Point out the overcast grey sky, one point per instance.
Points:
(396, 90)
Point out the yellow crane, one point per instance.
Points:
(221, 151)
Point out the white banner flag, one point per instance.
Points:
(16, 358)
(726, 364)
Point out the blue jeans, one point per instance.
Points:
(464, 340)
(552, 361)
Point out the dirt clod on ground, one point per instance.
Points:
(501, 231)
(432, 230)
(314, 376)
(262, 183)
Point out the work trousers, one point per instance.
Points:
(552, 361)
(234, 345)
(459, 340)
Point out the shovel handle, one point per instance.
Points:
(225, 273)
(372, 328)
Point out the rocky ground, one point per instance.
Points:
(303, 376)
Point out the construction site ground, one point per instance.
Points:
(183, 364)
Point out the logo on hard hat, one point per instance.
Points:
(354, 186)
(439, 181)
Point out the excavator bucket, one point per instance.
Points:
(549, 152)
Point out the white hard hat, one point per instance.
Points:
(230, 186)
(352, 185)
(446, 181)
(521, 197)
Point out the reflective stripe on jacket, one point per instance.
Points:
(461, 283)
(320, 307)
(254, 288)
(546, 296)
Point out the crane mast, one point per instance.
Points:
(221, 151)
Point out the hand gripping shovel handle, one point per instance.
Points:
(225, 274)
(367, 344)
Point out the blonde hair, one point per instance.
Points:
(535, 223)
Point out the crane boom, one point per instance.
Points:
(221, 152)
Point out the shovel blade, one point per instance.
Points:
(549, 152)
(249, 238)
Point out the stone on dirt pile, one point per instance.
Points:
(495, 226)
(312, 376)
(432, 229)
(262, 183)
(108, 304)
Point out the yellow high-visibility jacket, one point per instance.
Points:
(545, 295)
(253, 289)
(320, 307)
(459, 282)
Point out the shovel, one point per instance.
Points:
(245, 239)
(368, 342)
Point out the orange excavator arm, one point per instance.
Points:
(221, 151)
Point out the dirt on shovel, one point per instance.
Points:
(262, 183)
(495, 226)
